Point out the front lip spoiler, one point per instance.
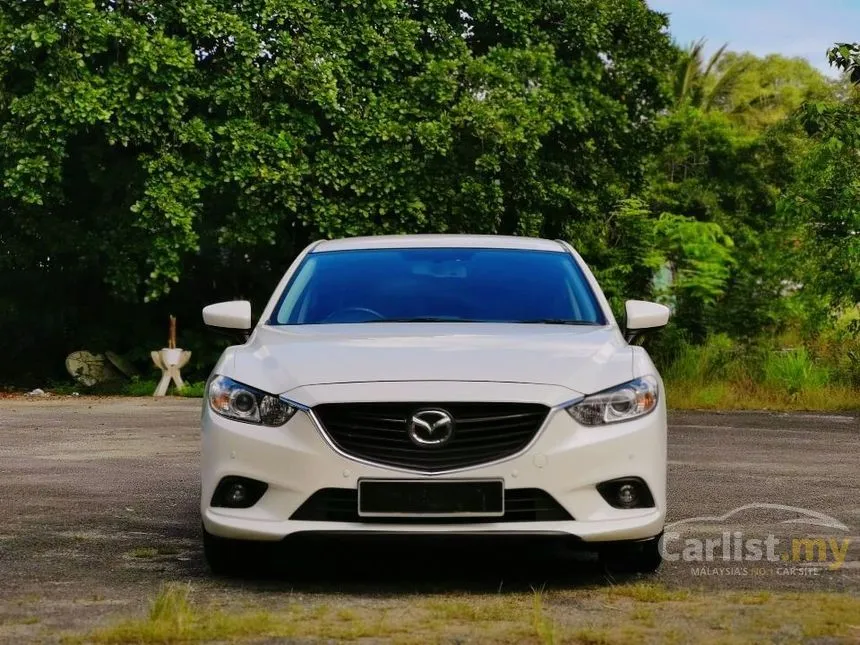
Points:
(448, 534)
(315, 420)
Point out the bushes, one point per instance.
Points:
(779, 372)
(134, 387)
(159, 156)
(794, 371)
(698, 364)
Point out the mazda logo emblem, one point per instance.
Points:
(431, 428)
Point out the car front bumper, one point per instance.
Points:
(566, 460)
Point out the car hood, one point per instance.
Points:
(583, 359)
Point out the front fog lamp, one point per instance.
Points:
(626, 492)
(238, 492)
(244, 403)
(620, 403)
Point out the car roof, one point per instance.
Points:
(439, 241)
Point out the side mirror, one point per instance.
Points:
(642, 316)
(231, 317)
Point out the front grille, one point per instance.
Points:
(483, 432)
(521, 505)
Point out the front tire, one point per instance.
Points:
(641, 556)
(227, 557)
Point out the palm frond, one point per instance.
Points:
(712, 63)
(725, 84)
(688, 72)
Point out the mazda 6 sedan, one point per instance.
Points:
(438, 384)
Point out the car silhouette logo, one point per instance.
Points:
(431, 428)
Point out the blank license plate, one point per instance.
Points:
(422, 498)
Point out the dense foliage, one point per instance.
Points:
(158, 155)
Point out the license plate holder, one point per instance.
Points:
(429, 498)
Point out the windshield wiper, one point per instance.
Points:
(555, 321)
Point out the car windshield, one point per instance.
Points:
(438, 285)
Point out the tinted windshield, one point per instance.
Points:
(438, 284)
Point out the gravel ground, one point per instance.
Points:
(99, 502)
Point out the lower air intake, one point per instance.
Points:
(341, 505)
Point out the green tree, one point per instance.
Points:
(715, 171)
(765, 91)
(703, 84)
(825, 198)
(757, 92)
(179, 151)
(731, 152)
(846, 57)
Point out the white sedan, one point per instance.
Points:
(436, 384)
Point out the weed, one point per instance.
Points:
(644, 615)
(788, 372)
(648, 592)
(591, 636)
(469, 610)
(193, 390)
(172, 605)
(135, 386)
(24, 620)
(543, 625)
(641, 613)
(794, 371)
(143, 552)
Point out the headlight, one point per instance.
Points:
(244, 403)
(620, 403)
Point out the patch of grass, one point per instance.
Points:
(543, 625)
(751, 396)
(700, 364)
(135, 386)
(347, 614)
(143, 552)
(64, 388)
(643, 615)
(319, 612)
(145, 387)
(193, 390)
(22, 620)
(706, 396)
(815, 615)
(172, 605)
(628, 614)
(647, 592)
(469, 609)
(28, 599)
(755, 598)
(794, 371)
(139, 387)
(785, 373)
(146, 552)
(173, 618)
(591, 636)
